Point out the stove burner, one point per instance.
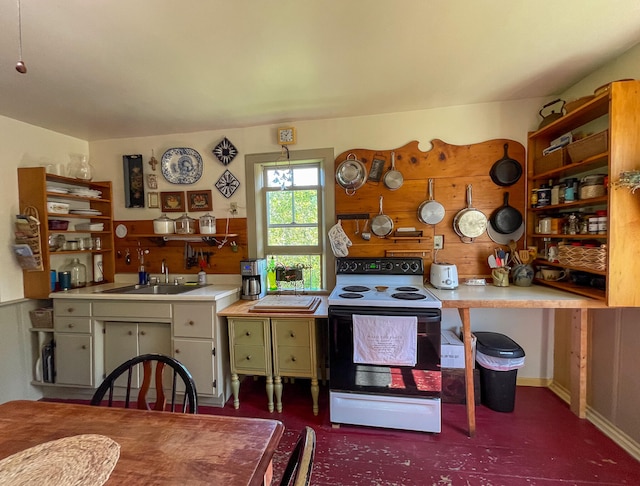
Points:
(408, 296)
(356, 288)
(350, 295)
(407, 289)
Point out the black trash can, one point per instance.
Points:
(499, 358)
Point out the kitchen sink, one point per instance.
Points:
(158, 289)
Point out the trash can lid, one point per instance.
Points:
(497, 345)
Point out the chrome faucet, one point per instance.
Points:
(165, 270)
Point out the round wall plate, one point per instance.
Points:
(121, 231)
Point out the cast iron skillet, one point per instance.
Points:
(506, 219)
(506, 171)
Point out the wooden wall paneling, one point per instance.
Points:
(222, 260)
(452, 167)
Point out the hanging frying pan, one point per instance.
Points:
(469, 223)
(430, 211)
(393, 178)
(506, 171)
(381, 225)
(506, 219)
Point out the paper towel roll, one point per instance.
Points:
(98, 274)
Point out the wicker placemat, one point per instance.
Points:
(78, 460)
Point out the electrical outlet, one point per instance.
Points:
(438, 242)
(233, 207)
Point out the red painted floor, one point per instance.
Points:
(540, 443)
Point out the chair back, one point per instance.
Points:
(180, 373)
(300, 464)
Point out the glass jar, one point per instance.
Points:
(78, 273)
(207, 224)
(79, 167)
(163, 225)
(185, 225)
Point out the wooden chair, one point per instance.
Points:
(300, 464)
(190, 399)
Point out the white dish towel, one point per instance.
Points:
(385, 340)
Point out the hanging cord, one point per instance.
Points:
(226, 237)
(20, 65)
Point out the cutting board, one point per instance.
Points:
(286, 303)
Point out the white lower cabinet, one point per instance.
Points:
(78, 354)
(126, 340)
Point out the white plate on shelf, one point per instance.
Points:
(181, 165)
(89, 212)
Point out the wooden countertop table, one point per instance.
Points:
(155, 447)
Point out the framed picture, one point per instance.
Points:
(153, 200)
(172, 201)
(133, 181)
(199, 200)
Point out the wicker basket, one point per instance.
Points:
(554, 160)
(42, 318)
(585, 148)
(593, 258)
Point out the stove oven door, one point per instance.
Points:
(421, 381)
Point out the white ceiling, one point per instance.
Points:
(120, 68)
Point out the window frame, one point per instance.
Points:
(256, 222)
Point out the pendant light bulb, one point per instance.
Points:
(21, 67)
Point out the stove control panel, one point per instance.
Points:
(380, 266)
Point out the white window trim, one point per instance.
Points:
(255, 222)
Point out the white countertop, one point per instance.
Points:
(208, 293)
(490, 296)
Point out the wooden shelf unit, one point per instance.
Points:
(616, 111)
(32, 189)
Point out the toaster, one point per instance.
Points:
(444, 276)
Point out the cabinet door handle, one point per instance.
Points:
(248, 358)
(177, 351)
(130, 333)
(142, 333)
(292, 334)
(69, 310)
(70, 325)
(293, 358)
(248, 333)
(84, 346)
(191, 323)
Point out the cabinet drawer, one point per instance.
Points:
(193, 320)
(133, 310)
(72, 324)
(250, 359)
(291, 332)
(249, 332)
(64, 307)
(293, 360)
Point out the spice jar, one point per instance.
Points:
(602, 221)
(185, 225)
(593, 224)
(544, 196)
(207, 224)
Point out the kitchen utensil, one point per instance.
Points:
(469, 223)
(430, 211)
(506, 219)
(493, 263)
(506, 171)
(365, 234)
(500, 277)
(357, 227)
(504, 239)
(553, 116)
(381, 225)
(444, 276)
(351, 174)
(393, 178)
(524, 256)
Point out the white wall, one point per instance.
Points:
(23, 145)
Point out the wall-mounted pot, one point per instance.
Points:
(381, 225)
(469, 223)
(351, 174)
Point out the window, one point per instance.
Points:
(290, 207)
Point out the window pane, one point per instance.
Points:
(280, 207)
(293, 236)
(305, 177)
(305, 207)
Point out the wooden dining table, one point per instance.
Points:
(156, 448)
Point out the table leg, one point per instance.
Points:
(465, 317)
(315, 391)
(278, 389)
(269, 388)
(578, 373)
(235, 388)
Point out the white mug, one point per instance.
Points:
(553, 274)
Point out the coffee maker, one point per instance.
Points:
(254, 278)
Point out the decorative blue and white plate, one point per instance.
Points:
(181, 166)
